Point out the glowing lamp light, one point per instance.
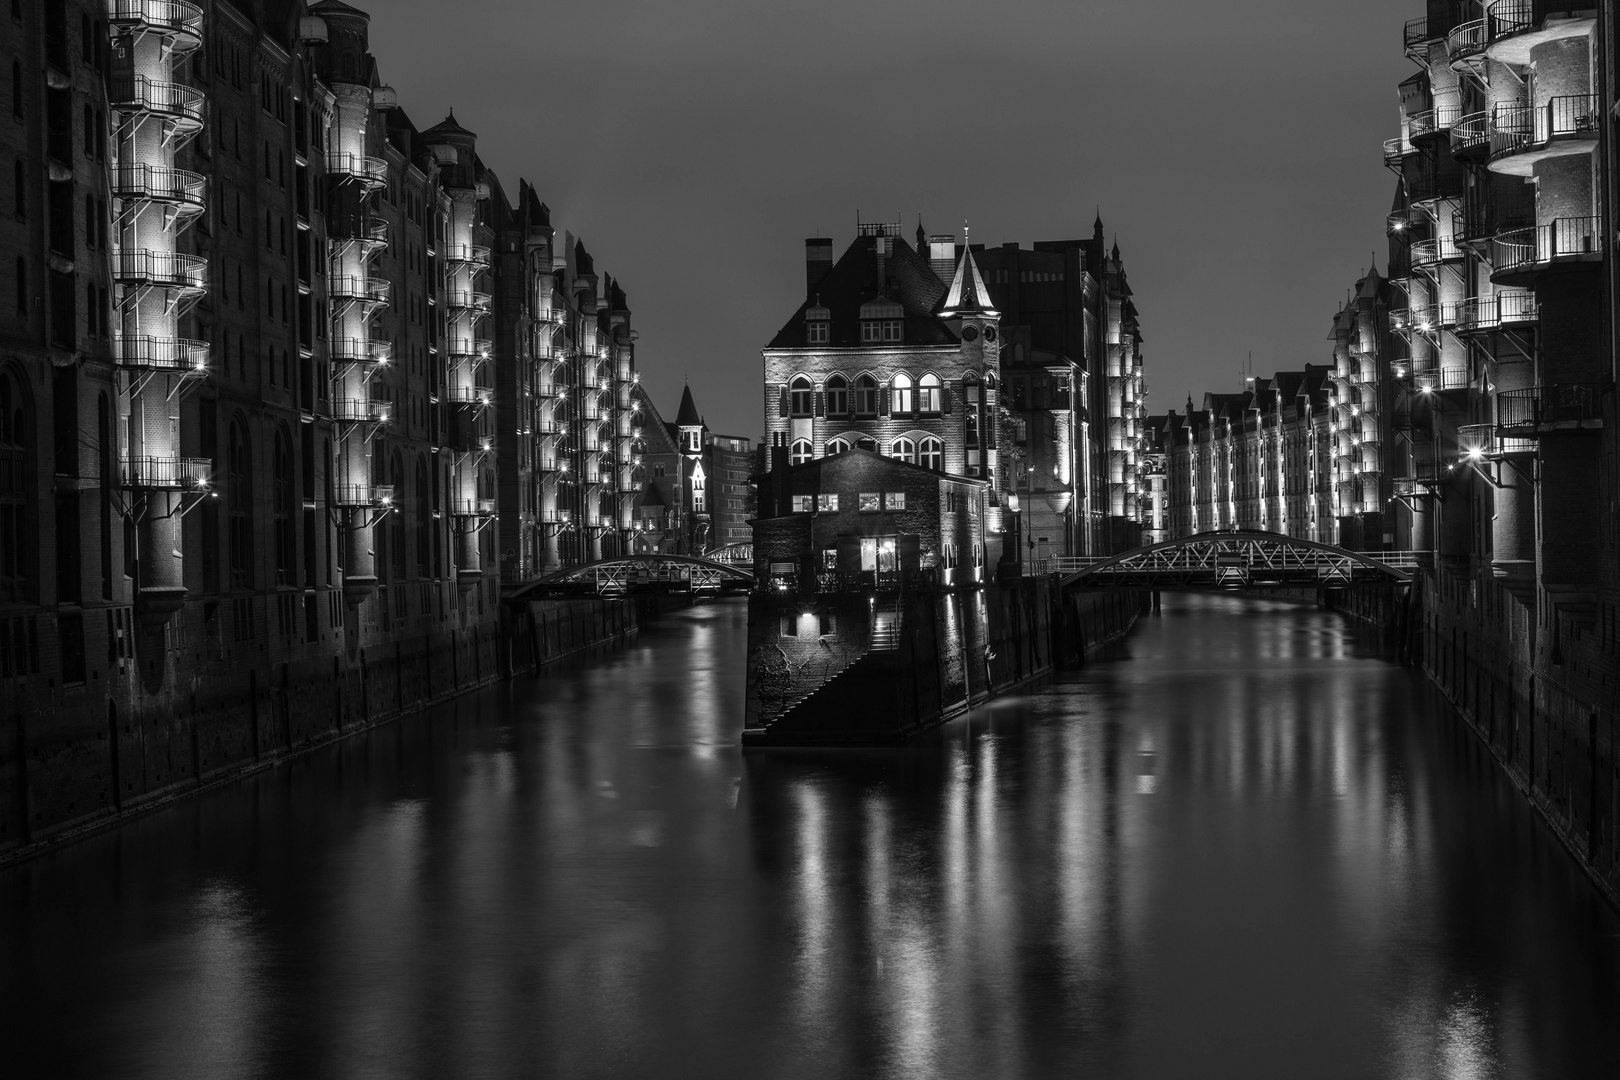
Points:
(1475, 453)
(1012, 502)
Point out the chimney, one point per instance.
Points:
(942, 255)
(817, 261)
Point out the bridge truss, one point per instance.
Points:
(1239, 559)
(641, 573)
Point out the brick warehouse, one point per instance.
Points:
(1023, 368)
(1470, 414)
(287, 384)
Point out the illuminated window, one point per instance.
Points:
(931, 454)
(825, 503)
(800, 452)
(870, 502)
(894, 500)
(905, 399)
(802, 397)
(928, 394)
(839, 445)
(904, 449)
(803, 504)
(837, 396)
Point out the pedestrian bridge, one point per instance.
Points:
(1239, 560)
(639, 574)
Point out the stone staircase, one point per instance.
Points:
(863, 685)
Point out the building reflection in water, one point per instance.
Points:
(1243, 845)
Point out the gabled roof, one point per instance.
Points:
(968, 294)
(853, 280)
(650, 496)
(447, 126)
(687, 415)
(842, 461)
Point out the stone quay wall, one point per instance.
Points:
(79, 764)
(1545, 710)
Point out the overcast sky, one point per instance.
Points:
(1233, 147)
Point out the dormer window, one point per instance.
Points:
(883, 322)
(817, 325)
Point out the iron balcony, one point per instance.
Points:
(362, 496)
(172, 17)
(137, 267)
(165, 473)
(1521, 252)
(139, 96)
(152, 353)
(1555, 407)
(182, 188)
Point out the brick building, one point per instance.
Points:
(281, 394)
(696, 493)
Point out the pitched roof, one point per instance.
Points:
(853, 280)
(687, 414)
(968, 294)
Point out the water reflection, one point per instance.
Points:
(1243, 846)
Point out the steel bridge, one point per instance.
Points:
(1240, 560)
(639, 573)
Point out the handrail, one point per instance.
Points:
(470, 395)
(167, 268)
(1556, 403)
(137, 93)
(162, 16)
(1445, 378)
(1562, 238)
(159, 182)
(1435, 250)
(161, 353)
(362, 494)
(362, 411)
(472, 507)
(1467, 39)
(477, 254)
(371, 169)
(1432, 121)
(356, 287)
(479, 347)
(1470, 132)
(165, 473)
(360, 351)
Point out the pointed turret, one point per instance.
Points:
(968, 294)
(687, 415)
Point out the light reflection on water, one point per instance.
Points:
(1244, 846)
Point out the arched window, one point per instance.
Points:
(928, 394)
(800, 452)
(801, 397)
(422, 508)
(17, 539)
(239, 505)
(837, 396)
(396, 520)
(281, 505)
(866, 396)
(905, 399)
(839, 445)
(904, 449)
(931, 454)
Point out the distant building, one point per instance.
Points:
(695, 494)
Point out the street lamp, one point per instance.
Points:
(1017, 555)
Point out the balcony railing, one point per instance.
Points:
(1571, 239)
(472, 507)
(360, 411)
(479, 396)
(461, 298)
(360, 351)
(1491, 312)
(371, 170)
(1451, 378)
(1508, 17)
(157, 16)
(1517, 129)
(1484, 441)
(1395, 150)
(1436, 250)
(1471, 135)
(1478, 222)
(1435, 121)
(1415, 38)
(159, 183)
(476, 254)
(166, 269)
(165, 473)
(362, 496)
(462, 346)
(372, 290)
(1397, 223)
(151, 353)
(181, 105)
(1467, 39)
(1552, 406)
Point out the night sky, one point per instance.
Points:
(1233, 147)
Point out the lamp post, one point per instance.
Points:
(1017, 532)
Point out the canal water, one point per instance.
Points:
(1244, 846)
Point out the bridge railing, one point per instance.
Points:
(1064, 565)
